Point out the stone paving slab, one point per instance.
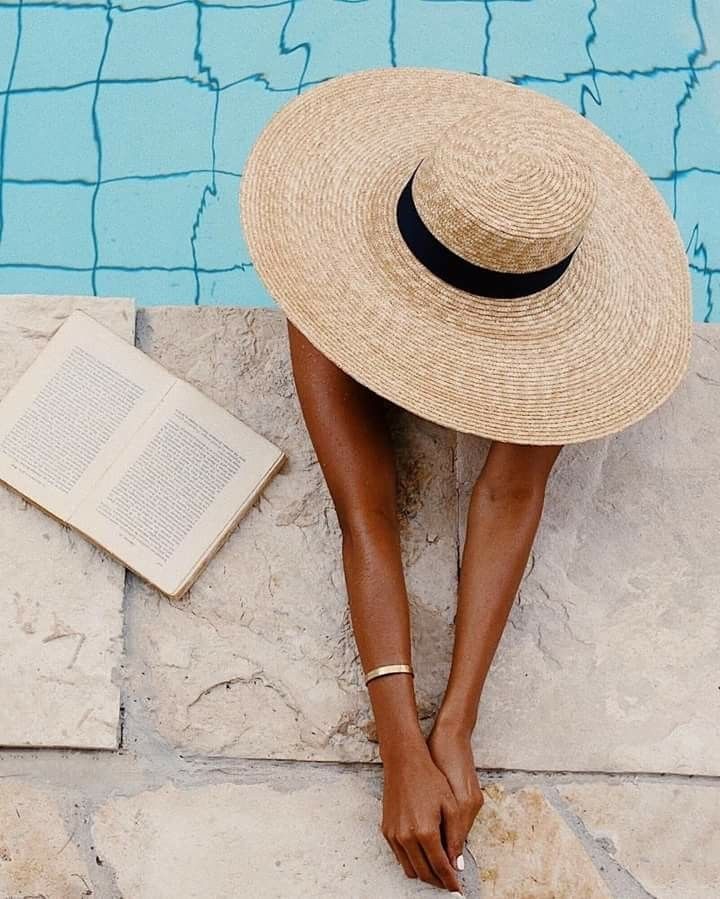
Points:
(322, 839)
(154, 827)
(523, 848)
(319, 836)
(38, 857)
(666, 835)
(259, 659)
(609, 661)
(60, 597)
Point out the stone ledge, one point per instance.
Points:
(259, 659)
(305, 831)
(609, 660)
(60, 597)
(591, 673)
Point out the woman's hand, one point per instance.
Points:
(421, 818)
(451, 751)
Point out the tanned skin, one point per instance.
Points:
(431, 791)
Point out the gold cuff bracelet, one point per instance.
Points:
(388, 669)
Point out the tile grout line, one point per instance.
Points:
(618, 879)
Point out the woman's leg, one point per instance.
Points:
(505, 509)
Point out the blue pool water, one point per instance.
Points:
(124, 126)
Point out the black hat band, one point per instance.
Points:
(461, 273)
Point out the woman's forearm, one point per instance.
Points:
(501, 527)
(381, 623)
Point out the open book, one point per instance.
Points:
(109, 442)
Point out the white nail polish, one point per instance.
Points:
(460, 862)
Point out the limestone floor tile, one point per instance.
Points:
(666, 835)
(609, 661)
(316, 832)
(38, 857)
(523, 848)
(259, 659)
(60, 597)
(252, 840)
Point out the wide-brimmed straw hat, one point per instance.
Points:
(473, 251)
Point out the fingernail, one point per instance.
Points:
(458, 894)
(460, 862)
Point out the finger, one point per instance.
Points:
(402, 858)
(420, 863)
(439, 862)
(454, 830)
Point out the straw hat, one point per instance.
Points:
(474, 251)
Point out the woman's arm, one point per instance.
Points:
(503, 516)
(348, 428)
(505, 510)
(346, 423)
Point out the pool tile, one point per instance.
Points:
(340, 37)
(8, 42)
(59, 47)
(231, 288)
(423, 31)
(708, 14)
(696, 147)
(635, 36)
(134, 40)
(239, 43)
(155, 129)
(38, 280)
(219, 218)
(522, 36)
(149, 224)
(35, 226)
(243, 111)
(177, 286)
(700, 229)
(633, 71)
(639, 113)
(36, 122)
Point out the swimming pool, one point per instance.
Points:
(124, 126)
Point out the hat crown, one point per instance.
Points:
(505, 194)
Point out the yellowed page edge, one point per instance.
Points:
(214, 548)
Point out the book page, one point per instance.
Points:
(67, 417)
(164, 503)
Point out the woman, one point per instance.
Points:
(431, 790)
(486, 258)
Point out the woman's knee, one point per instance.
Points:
(516, 472)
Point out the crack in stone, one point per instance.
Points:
(223, 683)
(714, 381)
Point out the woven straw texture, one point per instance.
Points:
(509, 179)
